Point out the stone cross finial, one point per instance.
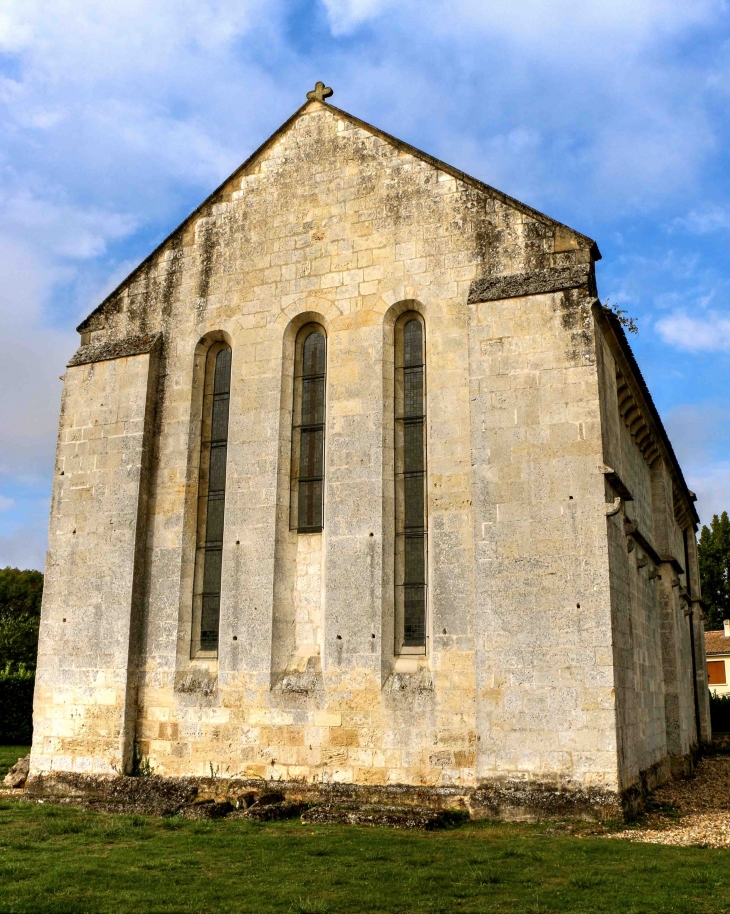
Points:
(320, 92)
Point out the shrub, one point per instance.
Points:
(16, 705)
(720, 713)
(20, 615)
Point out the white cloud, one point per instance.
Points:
(89, 39)
(700, 434)
(6, 503)
(527, 21)
(33, 357)
(346, 15)
(712, 487)
(25, 547)
(705, 221)
(59, 227)
(709, 333)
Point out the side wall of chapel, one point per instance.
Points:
(660, 687)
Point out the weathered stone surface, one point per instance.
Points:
(516, 285)
(147, 796)
(534, 802)
(269, 798)
(242, 801)
(272, 812)
(115, 349)
(558, 649)
(387, 816)
(18, 774)
(206, 809)
(215, 797)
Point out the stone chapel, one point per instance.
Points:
(358, 482)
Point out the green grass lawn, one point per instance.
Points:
(9, 755)
(59, 859)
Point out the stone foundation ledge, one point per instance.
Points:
(527, 801)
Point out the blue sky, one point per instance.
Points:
(117, 118)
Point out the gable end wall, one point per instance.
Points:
(334, 223)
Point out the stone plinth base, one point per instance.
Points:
(510, 801)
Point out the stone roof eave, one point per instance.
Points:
(630, 368)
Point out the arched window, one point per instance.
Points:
(211, 500)
(411, 560)
(308, 425)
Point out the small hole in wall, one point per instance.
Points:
(370, 534)
(372, 636)
(577, 605)
(235, 637)
(339, 637)
(64, 620)
(62, 473)
(74, 532)
(238, 542)
(443, 632)
(570, 497)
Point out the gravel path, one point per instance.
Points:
(693, 811)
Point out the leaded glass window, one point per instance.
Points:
(211, 500)
(411, 552)
(308, 430)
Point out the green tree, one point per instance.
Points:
(714, 557)
(20, 615)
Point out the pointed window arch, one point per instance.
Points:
(308, 430)
(411, 515)
(211, 501)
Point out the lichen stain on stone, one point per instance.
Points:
(207, 243)
(576, 319)
(172, 280)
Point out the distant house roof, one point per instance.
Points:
(717, 643)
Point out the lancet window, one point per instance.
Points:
(308, 430)
(211, 500)
(411, 520)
